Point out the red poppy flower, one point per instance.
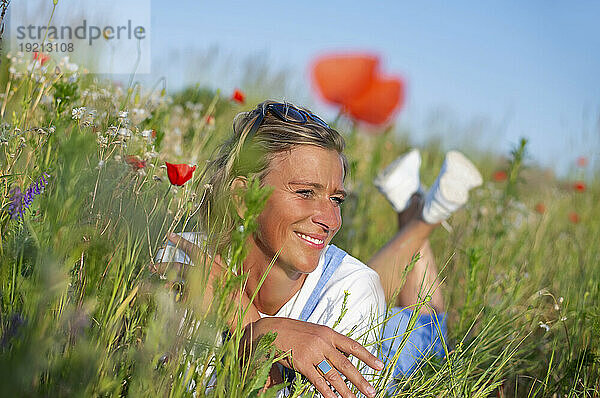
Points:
(377, 105)
(179, 174)
(574, 217)
(579, 186)
(238, 96)
(135, 162)
(582, 161)
(540, 208)
(340, 77)
(500, 175)
(209, 119)
(41, 57)
(353, 81)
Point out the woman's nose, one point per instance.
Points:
(328, 215)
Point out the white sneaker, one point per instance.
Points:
(400, 180)
(450, 191)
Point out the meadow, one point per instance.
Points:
(86, 201)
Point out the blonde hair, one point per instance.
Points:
(250, 157)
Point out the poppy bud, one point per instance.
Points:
(500, 176)
(579, 186)
(238, 96)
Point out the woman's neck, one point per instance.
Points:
(280, 285)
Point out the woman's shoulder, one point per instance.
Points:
(358, 279)
(352, 269)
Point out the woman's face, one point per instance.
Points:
(303, 213)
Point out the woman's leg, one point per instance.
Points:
(391, 260)
(418, 217)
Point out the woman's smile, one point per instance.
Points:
(313, 240)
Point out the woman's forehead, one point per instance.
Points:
(308, 162)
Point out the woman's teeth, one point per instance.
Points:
(310, 239)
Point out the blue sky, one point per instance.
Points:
(486, 72)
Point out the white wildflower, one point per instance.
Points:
(77, 113)
(194, 106)
(102, 140)
(138, 115)
(561, 299)
(124, 132)
(556, 307)
(100, 164)
(544, 326)
(71, 67)
(150, 154)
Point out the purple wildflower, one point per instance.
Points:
(19, 201)
(15, 207)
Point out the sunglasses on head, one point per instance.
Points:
(287, 113)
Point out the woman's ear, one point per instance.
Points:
(238, 188)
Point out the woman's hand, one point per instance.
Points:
(309, 344)
(217, 270)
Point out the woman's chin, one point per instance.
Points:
(306, 265)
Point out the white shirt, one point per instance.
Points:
(365, 302)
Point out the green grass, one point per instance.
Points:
(81, 315)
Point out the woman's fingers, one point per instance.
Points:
(194, 251)
(345, 367)
(161, 268)
(349, 346)
(321, 385)
(188, 247)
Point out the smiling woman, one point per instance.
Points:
(307, 281)
(296, 154)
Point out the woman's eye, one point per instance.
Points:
(338, 200)
(306, 193)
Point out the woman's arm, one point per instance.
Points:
(307, 343)
(217, 270)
